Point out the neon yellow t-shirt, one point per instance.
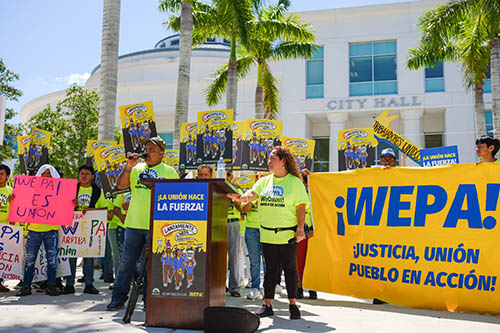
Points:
(278, 199)
(232, 212)
(117, 202)
(253, 216)
(4, 203)
(139, 209)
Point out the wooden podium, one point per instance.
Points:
(187, 250)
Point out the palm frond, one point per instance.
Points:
(290, 50)
(271, 92)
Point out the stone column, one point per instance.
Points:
(412, 129)
(337, 122)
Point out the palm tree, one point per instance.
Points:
(480, 25)
(224, 18)
(108, 75)
(185, 47)
(461, 47)
(272, 36)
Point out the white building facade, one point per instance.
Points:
(358, 71)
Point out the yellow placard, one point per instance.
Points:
(415, 237)
(303, 149)
(40, 137)
(179, 235)
(136, 113)
(23, 144)
(246, 180)
(356, 137)
(93, 145)
(383, 130)
(171, 157)
(110, 158)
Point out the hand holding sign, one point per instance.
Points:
(42, 200)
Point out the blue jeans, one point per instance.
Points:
(135, 240)
(88, 271)
(252, 239)
(33, 243)
(106, 262)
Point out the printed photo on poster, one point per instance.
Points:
(187, 151)
(261, 135)
(356, 148)
(171, 158)
(179, 257)
(110, 162)
(38, 149)
(138, 125)
(215, 136)
(303, 149)
(238, 136)
(23, 145)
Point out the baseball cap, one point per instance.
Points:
(158, 141)
(388, 152)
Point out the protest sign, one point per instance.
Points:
(86, 237)
(356, 148)
(438, 156)
(43, 200)
(261, 135)
(179, 243)
(303, 150)
(187, 151)
(171, 157)
(215, 136)
(93, 145)
(40, 271)
(138, 125)
(38, 149)
(415, 237)
(11, 251)
(23, 144)
(383, 131)
(245, 179)
(109, 162)
(238, 135)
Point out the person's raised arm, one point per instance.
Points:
(301, 220)
(124, 177)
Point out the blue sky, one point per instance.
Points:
(54, 43)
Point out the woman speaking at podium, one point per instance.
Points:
(282, 201)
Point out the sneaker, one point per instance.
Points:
(114, 305)
(81, 279)
(235, 294)
(4, 289)
(52, 291)
(254, 294)
(294, 311)
(300, 293)
(68, 290)
(313, 294)
(19, 285)
(278, 289)
(24, 291)
(264, 311)
(109, 280)
(90, 289)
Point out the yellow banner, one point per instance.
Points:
(383, 130)
(415, 237)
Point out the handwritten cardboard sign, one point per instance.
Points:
(86, 237)
(40, 272)
(43, 200)
(11, 251)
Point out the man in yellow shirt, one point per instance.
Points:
(138, 214)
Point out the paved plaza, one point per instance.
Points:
(330, 313)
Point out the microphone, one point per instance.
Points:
(143, 155)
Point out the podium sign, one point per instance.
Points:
(187, 251)
(179, 251)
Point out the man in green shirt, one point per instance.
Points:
(89, 195)
(138, 214)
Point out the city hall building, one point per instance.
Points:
(358, 71)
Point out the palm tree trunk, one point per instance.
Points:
(108, 75)
(495, 85)
(479, 109)
(232, 79)
(185, 47)
(259, 94)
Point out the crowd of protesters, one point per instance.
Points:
(270, 224)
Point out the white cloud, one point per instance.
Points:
(77, 78)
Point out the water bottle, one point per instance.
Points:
(221, 168)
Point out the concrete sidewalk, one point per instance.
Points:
(86, 313)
